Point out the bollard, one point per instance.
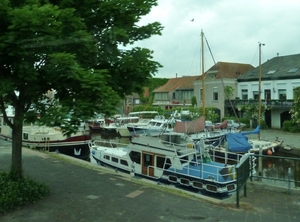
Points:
(289, 180)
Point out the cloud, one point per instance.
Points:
(232, 28)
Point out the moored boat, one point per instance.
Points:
(197, 130)
(186, 164)
(52, 139)
(156, 126)
(239, 143)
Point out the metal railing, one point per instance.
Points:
(273, 102)
(278, 171)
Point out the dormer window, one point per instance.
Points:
(293, 70)
(271, 72)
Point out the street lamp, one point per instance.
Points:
(259, 85)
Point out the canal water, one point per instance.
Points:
(279, 169)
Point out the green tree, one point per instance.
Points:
(295, 111)
(70, 49)
(229, 92)
(153, 84)
(194, 101)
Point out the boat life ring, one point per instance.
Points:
(189, 145)
(232, 173)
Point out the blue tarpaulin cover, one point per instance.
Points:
(256, 131)
(237, 142)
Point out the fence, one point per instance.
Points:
(278, 170)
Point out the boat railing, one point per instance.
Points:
(205, 170)
(109, 144)
(226, 158)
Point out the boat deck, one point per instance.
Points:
(213, 171)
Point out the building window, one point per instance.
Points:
(160, 96)
(174, 95)
(215, 94)
(267, 94)
(180, 96)
(255, 94)
(201, 94)
(244, 93)
(282, 94)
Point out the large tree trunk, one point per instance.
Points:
(17, 131)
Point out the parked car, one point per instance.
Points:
(233, 124)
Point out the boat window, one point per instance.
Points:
(114, 159)
(25, 136)
(184, 159)
(135, 157)
(124, 162)
(106, 157)
(167, 164)
(160, 161)
(147, 160)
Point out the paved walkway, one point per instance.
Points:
(81, 191)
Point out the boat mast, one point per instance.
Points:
(259, 87)
(202, 66)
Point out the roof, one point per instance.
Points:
(280, 67)
(229, 70)
(185, 82)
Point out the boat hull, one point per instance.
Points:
(76, 146)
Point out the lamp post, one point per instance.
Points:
(259, 114)
(259, 86)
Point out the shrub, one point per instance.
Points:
(18, 192)
(289, 126)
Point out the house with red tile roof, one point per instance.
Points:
(179, 91)
(176, 92)
(219, 76)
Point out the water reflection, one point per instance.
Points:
(281, 170)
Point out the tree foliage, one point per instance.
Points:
(229, 91)
(153, 84)
(295, 110)
(70, 50)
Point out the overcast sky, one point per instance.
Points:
(233, 29)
